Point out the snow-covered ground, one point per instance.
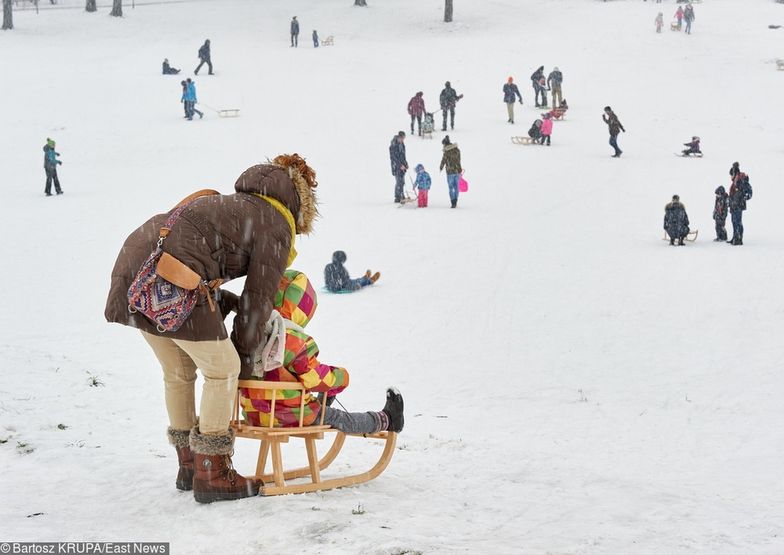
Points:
(573, 384)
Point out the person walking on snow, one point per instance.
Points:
(659, 22)
(615, 127)
(720, 207)
(294, 28)
(676, 221)
(740, 192)
(451, 161)
(536, 81)
(184, 99)
(204, 56)
(338, 280)
(422, 185)
(510, 92)
(688, 17)
(554, 81)
(290, 355)
(397, 159)
(253, 230)
(315, 39)
(679, 16)
(191, 100)
(50, 167)
(416, 109)
(448, 100)
(547, 128)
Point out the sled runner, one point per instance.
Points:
(690, 155)
(275, 482)
(691, 237)
(408, 198)
(226, 112)
(522, 140)
(329, 41)
(675, 27)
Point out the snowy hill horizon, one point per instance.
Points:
(573, 384)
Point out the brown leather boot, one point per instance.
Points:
(179, 439)
(214, 476)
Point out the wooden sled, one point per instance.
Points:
(329, 41)
(275, 482)
(522, 140)
(229, 113)
(691, 237)
(675, 27)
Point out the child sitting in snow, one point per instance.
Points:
(536, 130)
(289, 355)
(338, 280)
(422, 184)
(694, 147)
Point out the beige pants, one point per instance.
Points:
(220, 366)
(557, 92)
(510, 110)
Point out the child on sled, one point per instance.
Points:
(289, 355)
(338, 280)
(694, 147)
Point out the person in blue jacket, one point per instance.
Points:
(190, 99)
(50, 167)
(338, 280)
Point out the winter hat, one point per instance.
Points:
(720, 190)
(736, 165)
(445, 140)
(339, 257)
(540, 68)
(304, 179)
(296, 298)
(50, 142)
(419, 168)
(556, 68)
(447, 84)
(401, 134)
(420, 93)
(607, 109)
(676, 197)
(548, 115)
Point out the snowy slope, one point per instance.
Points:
(573, 384)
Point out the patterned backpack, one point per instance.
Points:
(165, 290)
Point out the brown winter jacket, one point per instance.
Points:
(451, 159)
(223, 236)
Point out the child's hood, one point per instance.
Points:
(296, 298)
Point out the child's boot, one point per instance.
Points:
(374, 277)
(367, 274)
(394, 410)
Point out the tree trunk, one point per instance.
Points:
(448, 11)
(117, 8)
(8, 15)
(90, 7)
(360, 3)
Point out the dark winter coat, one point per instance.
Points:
(451, 159)
(555, 79)
(294, 27)
(694, 146)
(397, 156)
(537, 75)
(613, 124)
(536, 130)
(416, 106)
(676, 221)
(721, 205)
(740, 192)
(50, 158)
(204, 52)
(169, 70)
(336, 277)
(448, 98)
(221, 236)
(510, 91)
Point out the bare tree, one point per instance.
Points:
(116, 8)
(448, 11)
(90, 7)
(8, 15)
(360, 2)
